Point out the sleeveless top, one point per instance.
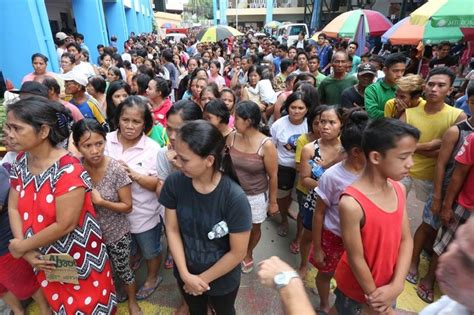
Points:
(250, 169)
(381, 237)
(431, 126)
(465, 128)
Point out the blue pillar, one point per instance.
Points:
(90, 22)
(116, 21)
(315, 17)
(132, 23)
(223, 10)
(214, 10)
(24, 31)
(141, 26)
(269, 15)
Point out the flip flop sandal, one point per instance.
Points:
(246, 267)
(412, 277)
(282, 230)
(294, 247)
(427, 295)
(144, 293)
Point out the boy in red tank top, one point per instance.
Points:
(374, 223)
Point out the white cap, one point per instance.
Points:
(75, 76)
(61, 36)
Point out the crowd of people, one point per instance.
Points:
(202, 142)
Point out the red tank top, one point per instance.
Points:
(381, 236)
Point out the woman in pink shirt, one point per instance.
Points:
(214, 76)
(39, 62)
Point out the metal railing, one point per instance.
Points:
(254, 4)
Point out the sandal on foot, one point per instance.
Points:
(412, 277)
(169, 262)
(294, 247)
(282, 230)
(246, 267)
(427, 295)
(144, 293)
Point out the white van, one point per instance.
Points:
(288, 33)
(174, 37)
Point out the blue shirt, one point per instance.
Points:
(461, 103)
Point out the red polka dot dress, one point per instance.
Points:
(95, 293)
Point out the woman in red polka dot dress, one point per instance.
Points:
(51, 211)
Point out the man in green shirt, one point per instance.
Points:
(377, 94)
(330, 89)
(313, 65)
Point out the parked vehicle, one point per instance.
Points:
(288, 33)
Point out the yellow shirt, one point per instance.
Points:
(431, 126)
(300, 143)
(389, 109)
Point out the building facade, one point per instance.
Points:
(29, 26)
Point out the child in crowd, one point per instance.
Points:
(374, 223)
(328, 245)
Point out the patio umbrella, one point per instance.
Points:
(217, 33)
(273, 24)
(345, 24)
(167, 25)
(444, 13)
(405, 33)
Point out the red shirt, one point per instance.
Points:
(159, 114)
(381, 236)
(466, 156)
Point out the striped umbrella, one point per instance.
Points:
(273, 24)
(444, 13)
(345, 24)
(405, 33)
(217, 33)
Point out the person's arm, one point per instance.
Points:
(351, 215)
(383, 297)
(305, 168)
(455, 184)
(447, 146)
(428, 149)
(462, 116)
(175, 244)
(68, 212)
(270, 161)
(371, 103)
(124, 205)
(293, 296)
(237, 252)
(16, 223)
(146, 181)
(235, 78)
(318, 220)
(277, 108)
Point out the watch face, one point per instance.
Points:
(280, 279)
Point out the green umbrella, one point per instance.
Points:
(443, 13)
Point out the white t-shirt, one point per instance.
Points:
(85, 68)
(331, 184)
(445, 306)
(60, 51)
(284, 136)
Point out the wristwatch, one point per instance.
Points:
(282, 279)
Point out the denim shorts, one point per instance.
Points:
(428, 216)
(149, 242)
(345, 305)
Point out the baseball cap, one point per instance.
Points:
(76, 77)
(61, 36)
(32, 87)
(366, 68)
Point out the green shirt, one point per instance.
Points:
(330, 89)
(376, 95)
(319, 78)
(158, 133)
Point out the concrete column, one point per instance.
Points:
(117, 22)
(132, 22)
(223, 10)
(214, 10)
(25, 30)
(269, 15)
(90, 21)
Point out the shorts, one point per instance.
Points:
(283, 193)
(17, 277)
(149, 242)
(446, 233)
(286, 178)
(119, 254)
(259, 206)
(345, 305)
(428, 216)
(422, 187)
(333, 248)
(301, 198)
(307, 210)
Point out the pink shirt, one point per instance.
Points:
(31, 76)
(75, 112)
(466, 156)
(141, 158)
(159, 114)
(219, 80)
